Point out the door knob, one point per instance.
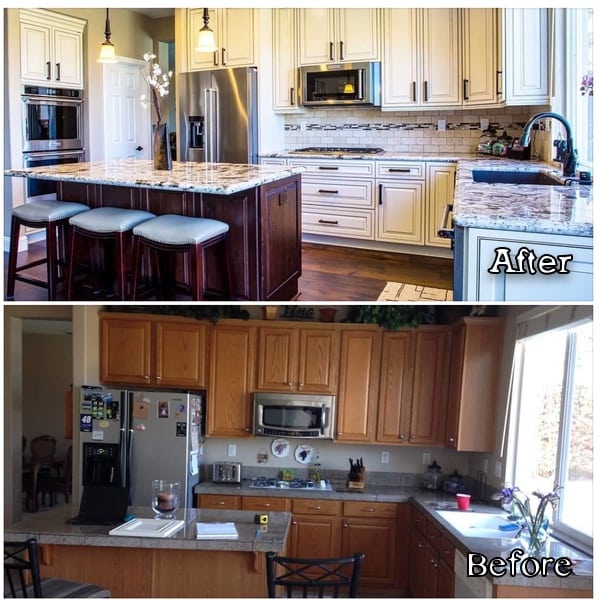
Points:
(139, 148)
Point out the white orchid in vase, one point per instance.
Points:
(158, 83)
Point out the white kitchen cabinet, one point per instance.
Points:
(51, 48)
(480, 55)
(426, 42)
(400, 207)
(235, 32)
(479, 255)
(284, 67)
(338, 35)
(440, 185)
(527, 49)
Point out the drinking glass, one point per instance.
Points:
(165, 498)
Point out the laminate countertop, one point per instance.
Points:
(51, 527)
(556, 209)
(207, 178)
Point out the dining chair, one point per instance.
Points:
(308, 577)
(22, 577)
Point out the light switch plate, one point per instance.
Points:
(384, 458)
(441, 125)
(232, 450)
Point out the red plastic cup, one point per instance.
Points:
(463, 501)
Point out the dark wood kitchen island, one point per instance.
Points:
(260, 203)
(142, 567)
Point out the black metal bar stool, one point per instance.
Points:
(180, 234)
(112, 224)
(54, 217)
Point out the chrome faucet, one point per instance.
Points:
(569, 165)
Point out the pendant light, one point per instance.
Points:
(107, 54)
(206, 41)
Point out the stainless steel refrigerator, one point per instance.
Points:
(218, 116)
(131, 437)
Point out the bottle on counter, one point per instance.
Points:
(432, 478)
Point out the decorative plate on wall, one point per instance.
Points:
(280, 447)
(303, 454)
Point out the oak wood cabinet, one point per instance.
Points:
(338, 35)
(358, 384)
(216, 501)
(315, 528)
(235, 33)
(145, 350)
(265, 503)
(232, 359)
(298, 358)
(477, 344)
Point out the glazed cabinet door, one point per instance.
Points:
(229, 402)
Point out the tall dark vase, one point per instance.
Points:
(161, 147)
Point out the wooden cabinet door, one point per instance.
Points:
(314, 536)
(36, 63)
(181, 354)
(358, 385)
(229, 402)
(400, 212)
(445, 580)
(68, 57)
(441, 57)
(316, 36)
(358, 34)
(218, 501)
(440, 185)
(395, 395)
(479, 55)
(265, 503)
(429, 394)
(418, 564)
(285, 77)
(238, 36)
(125, 350)
(318, 364)
(277, 358)
(195, 22)
(376, 538)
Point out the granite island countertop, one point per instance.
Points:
(430, 502)
(51, 527)
(563, 210)
(208, 178)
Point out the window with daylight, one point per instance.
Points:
(551, 418)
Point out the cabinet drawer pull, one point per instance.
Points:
(426, 91)
(49, 70)
(331, 50)
(466, 89)
(57, 71)
(380, 194)
(326, 222)
(497, 80)
(327, 168)
(399, 170)
(315, 507)
(292, 96)
(341, 57)
(219, 503)
(266, 504)
(370, 510)
(328, 191)
(413, 91)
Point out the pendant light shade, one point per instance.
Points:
(206, 41)
(107, 54)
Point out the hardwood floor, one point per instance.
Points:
(329, 273)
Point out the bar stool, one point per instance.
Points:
(181, 234)
(107, 223)
(53, 216)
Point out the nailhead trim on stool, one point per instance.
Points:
(51, 215)
(107, 223)
(178, 233)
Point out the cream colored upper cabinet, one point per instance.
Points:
(51, 48)
(235, 32)
(338, 35)
(285, 64)
(526, 55)
(480, 53)
(421, 57)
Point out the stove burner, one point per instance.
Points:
(271, 483)
(338, 150)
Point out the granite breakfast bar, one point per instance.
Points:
(261, 204)
(175, 567)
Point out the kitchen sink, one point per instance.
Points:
(517, 177)
(480, 525)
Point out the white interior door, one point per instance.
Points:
(126, 122)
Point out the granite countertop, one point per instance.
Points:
(430, 502)
(51, 528)
(563, 210)
(209, 178)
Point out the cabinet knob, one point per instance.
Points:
(294, 522)
(402, 436)
(147, 377)
(300, 385)
(315, 507)
(290, 384)
(158, 377)
(369, 510)
(452, 440)
(345, 525)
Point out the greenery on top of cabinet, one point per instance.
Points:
(211, 313)
(392, 318)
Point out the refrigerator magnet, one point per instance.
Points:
(85, 423)
(163, 410)
(140, 408)
(181, 428)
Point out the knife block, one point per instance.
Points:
(360, 482)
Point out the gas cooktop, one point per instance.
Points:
(267, 483)
(337, 150)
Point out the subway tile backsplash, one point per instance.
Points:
(415, 131)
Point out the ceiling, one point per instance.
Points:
(155, 13)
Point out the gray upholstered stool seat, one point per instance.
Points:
(191, 235)
(54, 217)
(108, 223)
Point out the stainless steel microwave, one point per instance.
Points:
(341, 84)
(294, 415)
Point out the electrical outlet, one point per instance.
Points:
(426, 458)
(232, 450)
(441, 124)
(302, 125)
(384, 458)
(484, 124)
(498, 466)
